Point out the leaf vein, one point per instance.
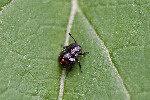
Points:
(70, 22)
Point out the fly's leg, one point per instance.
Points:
(79, 65)
(83, 53)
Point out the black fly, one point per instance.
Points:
(69, 55)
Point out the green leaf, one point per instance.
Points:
(31, 34)
(4, 3)
(115, 33)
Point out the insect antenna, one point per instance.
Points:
(73, 38)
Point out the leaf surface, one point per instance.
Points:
(115, 33)
(31, 34)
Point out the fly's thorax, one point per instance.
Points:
(76, 50)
